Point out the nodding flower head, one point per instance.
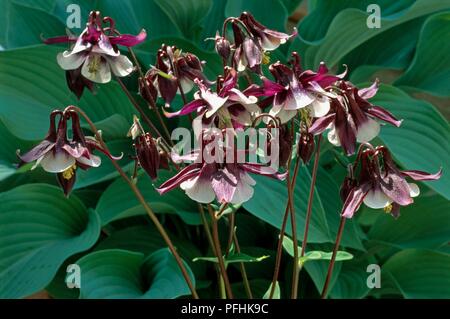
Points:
(352, 117)
(207, 179)
(380, 184)
(295, 89)
(227, 108)
(175, 70)
(60, 155)
(95, 53)
(269, 39)
(149, 155)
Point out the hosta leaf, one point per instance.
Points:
(25, 24)
(421, 142)
(133, 15)
(276, 292)
(146, 239)
(272, 14)
(348, 29)
(118, 201)
(40, 229)
(430, 69)
(186, 14)
(269, 202)
(352, 280)
(114, 273)
(424, 224)
(419, 273)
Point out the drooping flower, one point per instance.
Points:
(269, 39)
(149, 155)
(229, 107)
(95, 54)
(222, 46)
(296, 89)
(306, 146)
(381, 186)
(352, 117)
(60, 155)
(248, 52)
(206, 179)
(173, 66)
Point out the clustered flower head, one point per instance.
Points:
(299, 103)
(174, 72)
(61, 155)
(214, 176)
(94, 53)
(380, 184)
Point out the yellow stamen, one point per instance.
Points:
(94, 64)
(388, 209)
(265, 58)
(68, 173)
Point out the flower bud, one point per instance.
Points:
(147, 90)
(306, 147)
(285, 145)
(148, 154)
(222, 47)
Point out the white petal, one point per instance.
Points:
(244, 190)
(368, 131)
(105, 47)
(101, 73)
(198, 190)
(57, 163)
(284, 115)
(333, 138)
(94, 161)
(38, 161)
(80, 45)
(120, 65)
(242, 98)
(414, 190)
(269, 45)
(186, 85)
(214, 101)
(69, 61)
(320, 106)
(376, 199)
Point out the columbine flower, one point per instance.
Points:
(57, 154)
(351, 118)
(381, 187)
(248, 51)
(170, 64)
(205, 180)
(222, 46)
(149, 154)
(296, 89)
(306, 147)
(269, 39)
(229, 107)
(95, 54)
